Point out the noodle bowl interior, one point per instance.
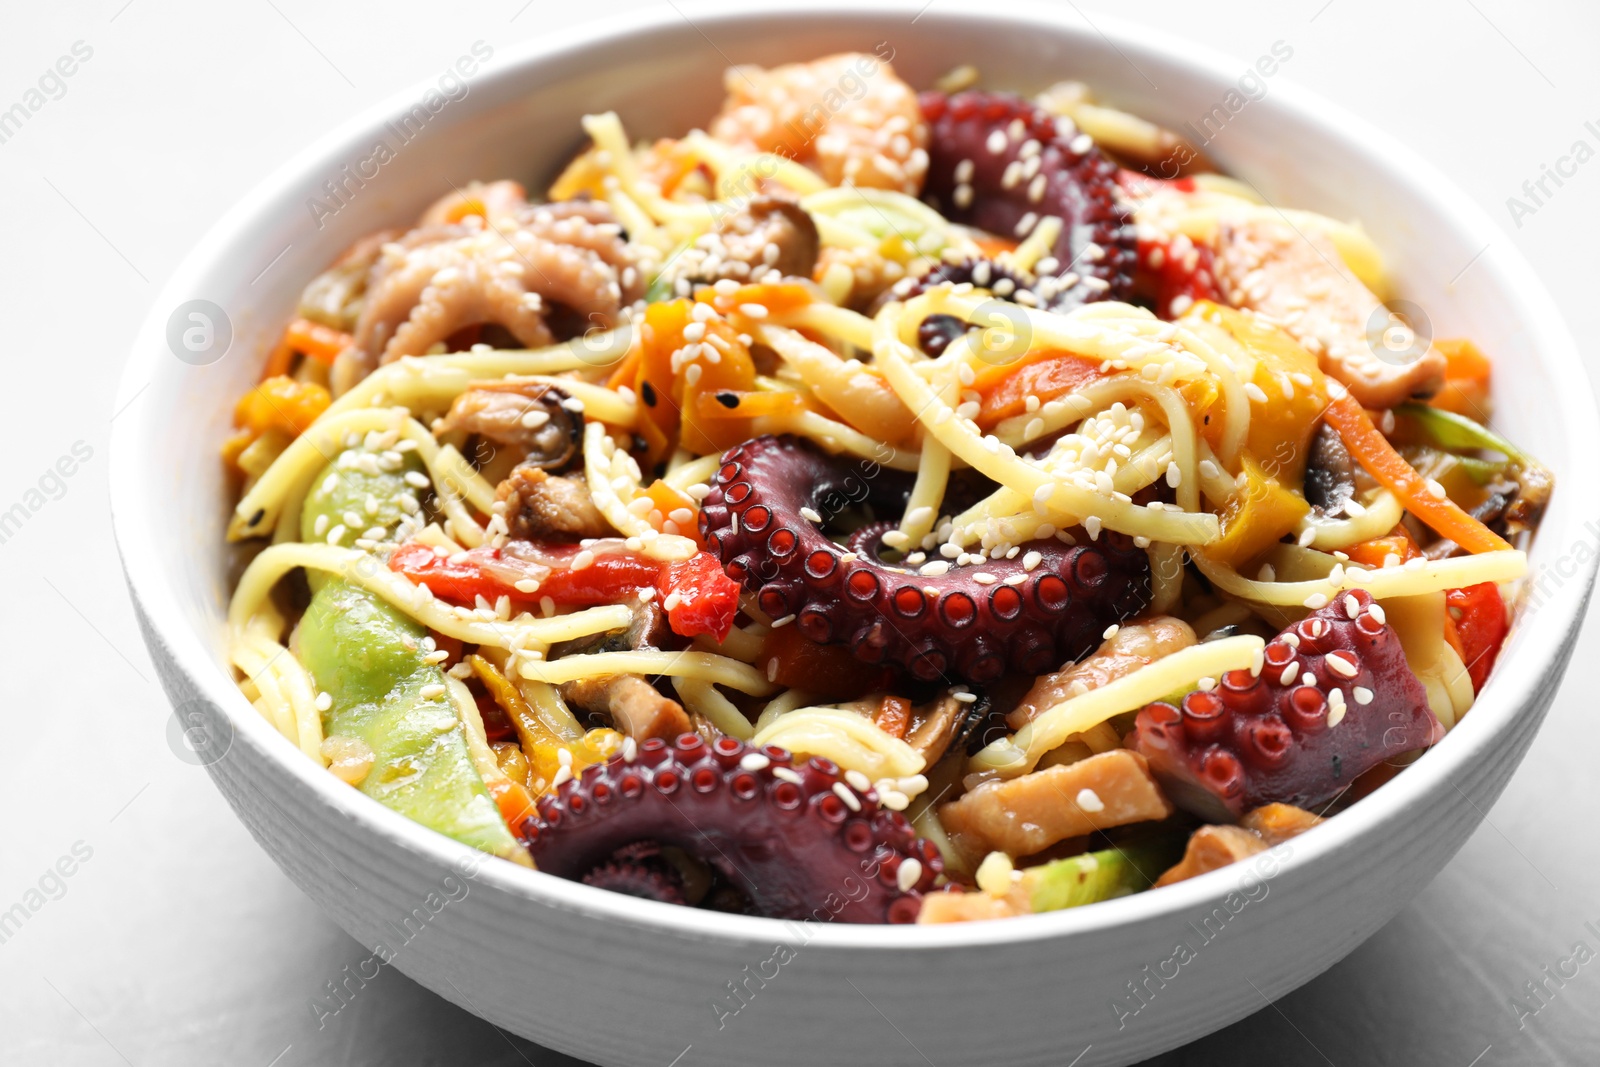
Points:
(877, 506)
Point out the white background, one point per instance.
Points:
(178, 942)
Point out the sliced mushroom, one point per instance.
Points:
(633, 705)
(772, 233)
(1022, 816)
(549, 507)
(524, 416)
(1330, 471)
(1133, 646)
(1296, 278)
(944, 723)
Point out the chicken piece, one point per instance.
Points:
(524, 416)
(1210, 848)
(633, 705)
(1022, 816)
(1133, 646)
(1277, 823)
(1296, 278)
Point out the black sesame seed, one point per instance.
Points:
(647, 393)
(255, 520)
(728, 400)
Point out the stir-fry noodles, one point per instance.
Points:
(873, 507)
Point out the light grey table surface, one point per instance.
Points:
(176, 941)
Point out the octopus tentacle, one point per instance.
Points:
(508, 269)
(999, 163)
(797, 839)
(1029, 613)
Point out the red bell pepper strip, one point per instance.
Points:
(1479, 614)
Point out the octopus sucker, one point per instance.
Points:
(972, 622)
(793, 838)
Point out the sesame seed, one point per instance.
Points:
(788, 774)
(1032, 560)
(1111, 631)
(843, 792)
(428, 692)
(1352, 606)
(1340, 664)
(562, 777)
(1286, 677)
(1254, 392)
(1090, 801)
(778, 624)
(1377, 613)
(1315, 601)
(416, 479)
(908, 874)
(810, 515)
(1335, 713)
(324, 701)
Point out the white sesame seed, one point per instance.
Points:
(1362, 694)
(1341, 665)
(1315, 601)
(1377, 613)
(778, 624)
(843, 792)
(1090, 801)
(810, 515)
(909, 874)
(1352, 606)
(1111, 631)
(324, 701)
(562, 777)
(1288, 673)
(788, 774)
(428, 692)
(1335, 713)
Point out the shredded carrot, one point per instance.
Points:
(322, 343)
(279, 362)
(1372, 553)
(992, 246)
(779, 298)
(1046, 376)
(1373, 451)
(894, 716)
(1452, 637)
(514, 802)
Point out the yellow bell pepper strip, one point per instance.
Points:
(1258, 514)
(1373, 451)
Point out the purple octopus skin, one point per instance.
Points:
(795, 838)
(1283, 736)
(935, 626)
(1044, 167)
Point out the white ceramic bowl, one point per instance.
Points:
(617, 980)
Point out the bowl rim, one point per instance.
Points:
(1544, 633)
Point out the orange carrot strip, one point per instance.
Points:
(320, 342)
(1373, 451)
